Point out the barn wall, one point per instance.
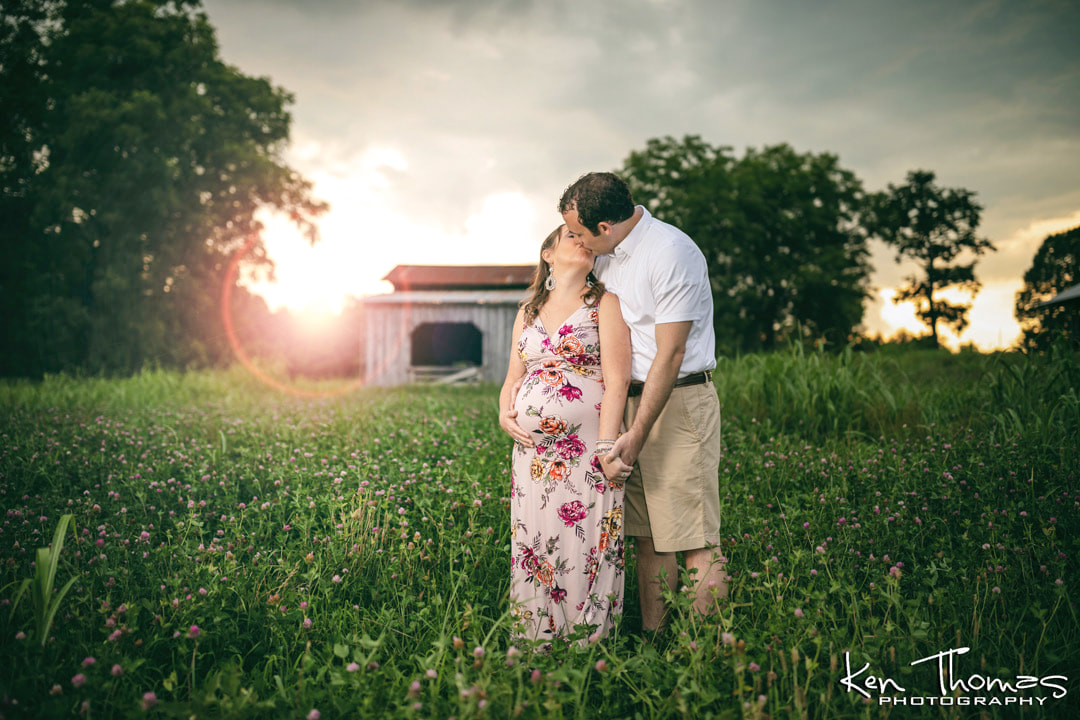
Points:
(388, 345)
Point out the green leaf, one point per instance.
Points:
(18, 596)
(57, 546)
(54, 606)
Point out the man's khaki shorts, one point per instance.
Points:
(673, 493)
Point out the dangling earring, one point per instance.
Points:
(550, 282)
(589, 281)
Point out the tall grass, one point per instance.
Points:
(241, 553)
(818, 395)
(815, 394)
(156, 387)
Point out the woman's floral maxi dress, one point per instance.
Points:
(566, 517)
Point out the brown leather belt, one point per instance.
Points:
(697, 378)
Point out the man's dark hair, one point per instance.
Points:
(598, 197)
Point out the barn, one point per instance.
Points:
(442, 323)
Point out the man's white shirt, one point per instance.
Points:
(660, 276)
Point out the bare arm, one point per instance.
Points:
(670, 349)
(615, 365)
(515, 372)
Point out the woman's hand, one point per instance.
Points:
(613, 467)
(508, 422)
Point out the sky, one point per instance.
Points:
(444, 132)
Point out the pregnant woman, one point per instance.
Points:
(571, 357)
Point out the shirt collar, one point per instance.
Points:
(626, 248)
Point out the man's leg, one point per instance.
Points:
(710, 580)
(649, 564)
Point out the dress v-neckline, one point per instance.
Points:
(544, 328)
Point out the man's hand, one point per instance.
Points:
(508, 422)
(625, 450)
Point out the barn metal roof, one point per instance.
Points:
(460, 277)
(447, 297)
(1066, 295)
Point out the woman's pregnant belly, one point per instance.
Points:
(551, 402)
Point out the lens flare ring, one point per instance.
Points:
(241, 354)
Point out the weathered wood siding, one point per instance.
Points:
(388, 341)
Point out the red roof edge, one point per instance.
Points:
(460, 277)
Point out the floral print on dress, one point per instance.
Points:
(566, 517)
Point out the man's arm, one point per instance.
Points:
(670, 349)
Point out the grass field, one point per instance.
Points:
(236, 553)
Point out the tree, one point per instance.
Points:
(1056, 267)
(779, 230)
(932, 226)
(134, 168)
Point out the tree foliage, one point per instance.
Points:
(1056, 268)
(779, 229)
(932, 226)
(133, 162)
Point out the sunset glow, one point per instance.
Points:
(991, 322)
(362, 236)
(506, 228)
(241, 353)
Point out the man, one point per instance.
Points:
(672, 443)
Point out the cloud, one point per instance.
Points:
(489, 98)
(1017, 250)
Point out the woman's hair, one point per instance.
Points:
(538, 292)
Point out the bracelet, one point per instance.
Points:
(605, 442)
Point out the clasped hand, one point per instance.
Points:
(619, 460)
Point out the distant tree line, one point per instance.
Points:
(785, 235)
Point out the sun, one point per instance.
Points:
(359, 235)
(347, 261)
(315, 280)
(369, 229)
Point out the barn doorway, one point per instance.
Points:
(442, 347)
